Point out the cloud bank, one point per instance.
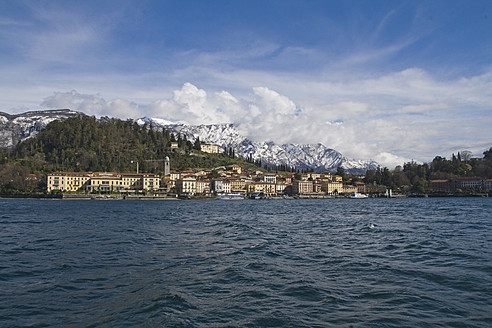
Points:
(392, 119)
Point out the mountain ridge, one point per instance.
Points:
(315, 157)
(18, 127)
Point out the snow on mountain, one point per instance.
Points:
(16, 128)
(313, 156)
(158, 121)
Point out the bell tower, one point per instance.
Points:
(167, 167)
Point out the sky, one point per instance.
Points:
(390, 81)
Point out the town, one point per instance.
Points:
(214, 182)
(233, 181)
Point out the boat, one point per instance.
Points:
(357, 195)
(257, 195)
(230, 196)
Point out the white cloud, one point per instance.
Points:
(92, 104)
(390, 160)
(194, 106)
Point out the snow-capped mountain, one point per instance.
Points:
(16, 128)
(313, 156)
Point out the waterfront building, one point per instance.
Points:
(203, 187)
(186, 186)
(269, 189)
(474, 183)
(488, 184)
(465, 183)
(238, 185)
(217, 186)
(441, 186)
(226, 186)
(349, 189)
(106, 181)
(332, 187)
(361, 187)
(302, 187)
(101, 181)
(281, 188)
(67, 181)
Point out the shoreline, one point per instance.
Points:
(151, 197)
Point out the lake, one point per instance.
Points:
(246, 263)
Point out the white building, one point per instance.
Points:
(186, 186)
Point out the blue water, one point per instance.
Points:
(282, 263)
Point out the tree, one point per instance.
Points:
(197, 144)
(386, 177)
(487, 155)
(466, 155)
(419, 186)
(15, 178)
(370, 176)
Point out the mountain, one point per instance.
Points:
(311, 156)
(16, 128)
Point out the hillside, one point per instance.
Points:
(84, 143)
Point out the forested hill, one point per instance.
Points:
(88, 144)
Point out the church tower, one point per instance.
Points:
(167, 167)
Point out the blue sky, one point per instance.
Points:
(384, 80)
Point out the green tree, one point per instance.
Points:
(197, 144)
(487, 155)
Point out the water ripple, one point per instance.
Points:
(293, 263)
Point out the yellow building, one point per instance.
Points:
(238, 185)
(68, 181)
(105, 181)
(267, 188)
(101, 181)
(207, 148)
(331, 187)
(348, 189)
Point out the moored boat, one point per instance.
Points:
(230, 196)
(357, 195)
